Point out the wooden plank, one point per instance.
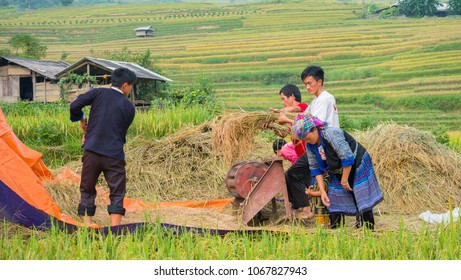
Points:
(17, 70)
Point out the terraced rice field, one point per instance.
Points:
(251, 50)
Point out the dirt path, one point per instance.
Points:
(229, 219)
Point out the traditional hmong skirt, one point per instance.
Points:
(366, 191)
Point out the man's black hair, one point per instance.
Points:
(289, 90)
(122, 75)
(315, 71)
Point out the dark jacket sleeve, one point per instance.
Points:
(77, 105)
(131, 116)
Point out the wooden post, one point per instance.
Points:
(34, 85)
(44, 87)
(88, 72)
(133, 90)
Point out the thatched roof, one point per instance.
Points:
(49, 69)
(99, 66)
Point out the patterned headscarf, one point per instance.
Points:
(303, 124)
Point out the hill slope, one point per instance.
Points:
(251, 50)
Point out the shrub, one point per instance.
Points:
(390, 13)
(441, 135)
(48, 133)
(418, 8)
(454, 7)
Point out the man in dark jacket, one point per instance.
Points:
(111, 115)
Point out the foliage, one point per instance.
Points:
(66, 82)
(390, 13)
(200, 94)
(5, 52)
(441, 135)
(418, 8)
(64, 55)
(371, 8)
(145, 91)
(30, 46)
(67, 2)
(47, 133)
(155, 242)
(454, 7)
(35, 4)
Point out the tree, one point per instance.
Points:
(418, 8)
(67, 2)
(4, 3)
(29, 45)
(454, 7)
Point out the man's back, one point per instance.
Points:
(111, 115)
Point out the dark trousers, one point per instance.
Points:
(365, 219)
(298, 178)
(115, 175)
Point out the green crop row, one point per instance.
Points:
(154, 242)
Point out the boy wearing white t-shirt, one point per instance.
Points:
(323, 106)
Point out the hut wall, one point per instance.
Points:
(3, 71)
(14, 70)
(52, 92)
(9, 88)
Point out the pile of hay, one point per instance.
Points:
(193, 162)
(181, 166)
(415, 172)
(233, 136)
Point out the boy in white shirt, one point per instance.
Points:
(323, 106)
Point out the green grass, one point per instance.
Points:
(156, 243)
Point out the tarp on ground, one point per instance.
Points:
(25, 200)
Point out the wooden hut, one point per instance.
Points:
(29, 79)
(102, 70)
(146, 31)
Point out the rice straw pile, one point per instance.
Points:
(177, 167)
(234, 135)
(193, 162)
(415, 172)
